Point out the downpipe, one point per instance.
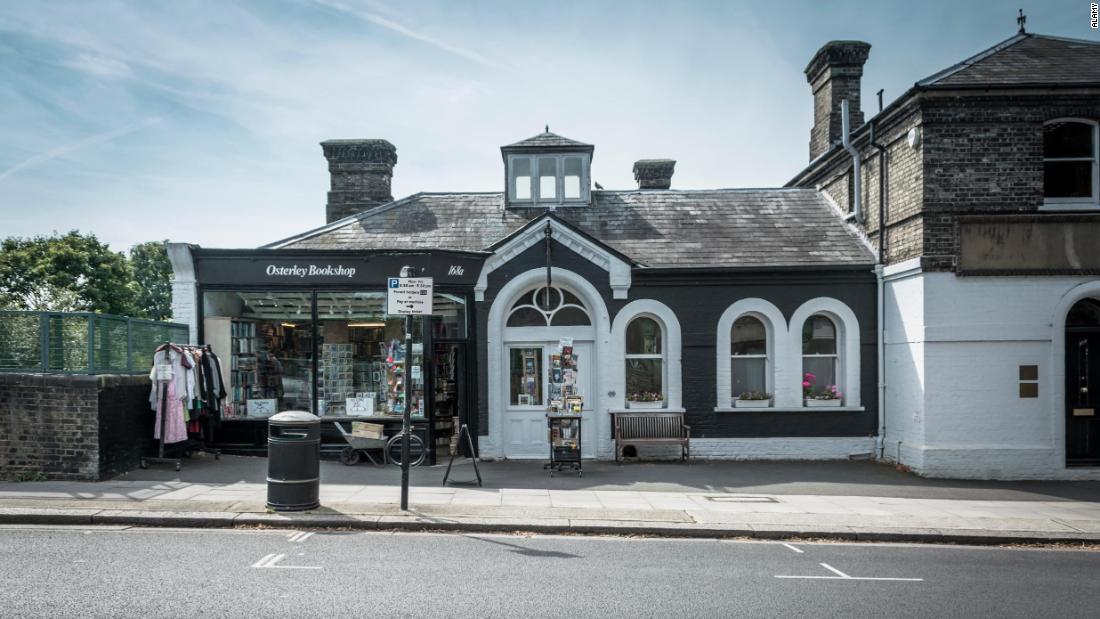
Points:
(881, 296)
(845, 140)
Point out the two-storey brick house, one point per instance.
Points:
(979, 190)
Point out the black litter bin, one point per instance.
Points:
(293, 461)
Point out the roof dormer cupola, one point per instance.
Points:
(547, 171)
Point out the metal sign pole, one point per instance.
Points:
(406, 420)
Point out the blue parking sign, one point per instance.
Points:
(394, 282)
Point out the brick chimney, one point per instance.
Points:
(654, 173)
(834, 75)
(360, 171)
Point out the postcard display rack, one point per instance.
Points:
(563, 414)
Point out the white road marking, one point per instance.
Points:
(793, 548)
(842, 576)
(270, 561)
(301, 536)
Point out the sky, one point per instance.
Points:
(200, 121)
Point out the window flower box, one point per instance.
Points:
(651, 405)
(739, 403)
(812, 403)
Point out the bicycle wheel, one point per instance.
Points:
(417, 452)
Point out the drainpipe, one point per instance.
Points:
(881, 301)
(857, 211)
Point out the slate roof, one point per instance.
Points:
(547, 139)
(656, 228)
(1025, 59)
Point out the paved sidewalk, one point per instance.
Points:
(688, 503)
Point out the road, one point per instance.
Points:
(124, 572)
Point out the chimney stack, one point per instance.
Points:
(360, 172)
(654, 173)
(834, 74)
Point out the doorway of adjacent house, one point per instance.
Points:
(1083, 384)
(537, 322)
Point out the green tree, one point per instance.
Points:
(70, 272)
(152, 280)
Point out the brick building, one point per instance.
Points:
(978, 189)
(939, 258)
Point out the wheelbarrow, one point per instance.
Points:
(359, 446)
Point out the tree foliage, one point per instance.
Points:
(152, 280)
(70, 272)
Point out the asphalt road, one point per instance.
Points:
(99, 572)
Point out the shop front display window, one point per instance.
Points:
(448, 317)
(265, 343)
(361, 369)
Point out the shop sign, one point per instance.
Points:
(306, 270)
(409, 296)
(310, 270)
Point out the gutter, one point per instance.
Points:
(857, 188)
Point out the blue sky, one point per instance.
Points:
(200, 121)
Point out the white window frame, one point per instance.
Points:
(670, 348)
(848, 349)
(661, 355)
(835, 356)
(766, 357)
(559, 167)
(777, 378)
(1072, 204)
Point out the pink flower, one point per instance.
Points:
(806, 384)
(810, 377)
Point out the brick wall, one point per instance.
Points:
(978, 154)
(983, 155)
(72, 427)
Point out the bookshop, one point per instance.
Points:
(309, 331)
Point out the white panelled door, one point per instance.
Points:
(528, 367)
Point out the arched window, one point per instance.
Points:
(645, 361)
(1070, 171)
(819, 357)
(748, 357)
(548, 306)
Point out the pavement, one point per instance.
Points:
(863, 501)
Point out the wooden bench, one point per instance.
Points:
(651, 428)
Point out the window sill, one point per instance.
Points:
(791, 409)
(1089, 205)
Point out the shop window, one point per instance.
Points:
(525, 376)
(644, 360)
(748, 357)
(819, 356)
(1070, 173)
(548, 306)
(362, 357)
(448, 317)
(264, 341)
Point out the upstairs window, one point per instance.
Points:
(548, 179)
(1070, 164)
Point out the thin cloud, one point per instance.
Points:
(101, 66)
(65, 149)
(393, 26)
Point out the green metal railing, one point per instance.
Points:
(81, 342)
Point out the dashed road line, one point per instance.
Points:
(842, 576)
(300, 536)
(270, 561)
(798, 550)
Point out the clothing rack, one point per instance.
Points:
(160, 458)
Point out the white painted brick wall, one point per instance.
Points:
(954, 347)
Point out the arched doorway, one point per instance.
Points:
(537, 322)
(1082, 401)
